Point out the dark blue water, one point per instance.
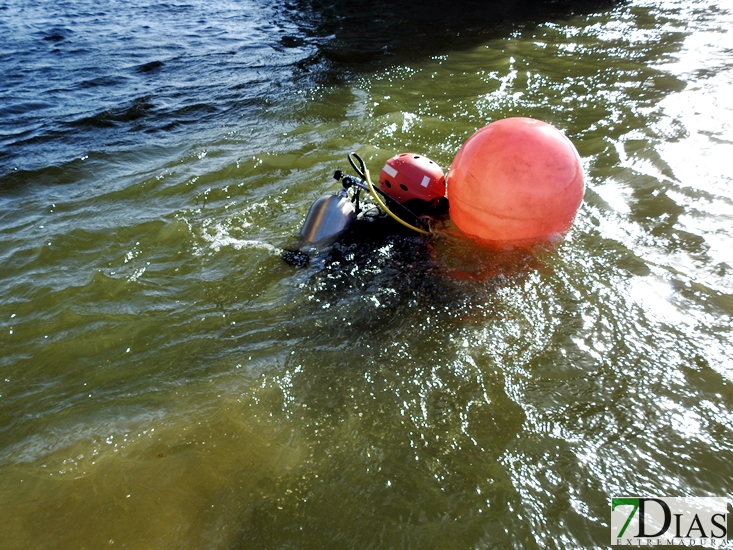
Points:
(97, 82)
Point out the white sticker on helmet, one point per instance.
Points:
(425, 181)
(391, 171)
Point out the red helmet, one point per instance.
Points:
(410, 176)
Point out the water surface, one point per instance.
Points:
(167, 381)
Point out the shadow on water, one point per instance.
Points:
(354, 35)
(401, 271)
(397, 270)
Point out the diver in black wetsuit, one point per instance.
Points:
(410, 196)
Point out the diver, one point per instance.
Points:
(411, 196)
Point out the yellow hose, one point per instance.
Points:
(383, 206)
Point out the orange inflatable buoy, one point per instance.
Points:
(516, 180)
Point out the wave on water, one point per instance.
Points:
(217, 236)
(81, 77)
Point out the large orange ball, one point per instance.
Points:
(516, 180)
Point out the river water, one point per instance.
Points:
(167, 381)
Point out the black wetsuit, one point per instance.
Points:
(370, 232)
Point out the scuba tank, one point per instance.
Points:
(329, 217)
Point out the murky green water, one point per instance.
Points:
(167, 381)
